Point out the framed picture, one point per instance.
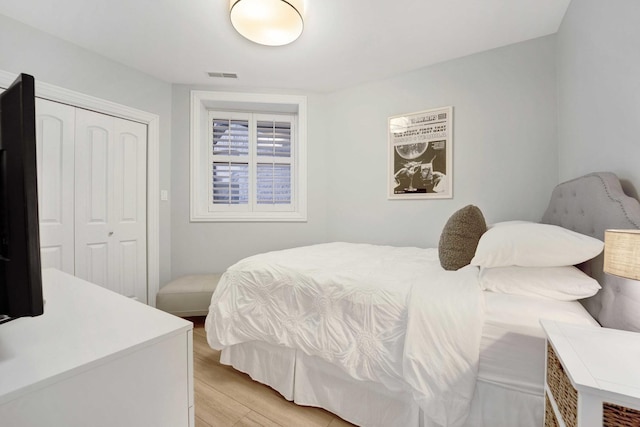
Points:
(420, 155)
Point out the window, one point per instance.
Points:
(250, 158)
(249, 163)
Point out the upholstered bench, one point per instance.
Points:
(188, 295)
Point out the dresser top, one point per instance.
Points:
(83, 326)
(598, 360)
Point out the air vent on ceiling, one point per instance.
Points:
(223, 75)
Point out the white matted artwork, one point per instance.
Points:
(420, 155)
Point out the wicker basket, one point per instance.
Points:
(565, 396)
(619, 416)
(549, 416)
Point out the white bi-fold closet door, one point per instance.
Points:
(92, 192)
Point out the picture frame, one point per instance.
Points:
(421, 155)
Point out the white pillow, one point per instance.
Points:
(503, 223)
(559, 283)
(529, 244)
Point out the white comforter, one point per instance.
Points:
(385, 314)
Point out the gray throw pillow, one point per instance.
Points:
(460, 237)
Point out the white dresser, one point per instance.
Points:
(95, 358)
(592, 376)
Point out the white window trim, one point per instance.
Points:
(201, 103)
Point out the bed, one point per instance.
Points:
(370, 343)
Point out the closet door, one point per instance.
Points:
(128, 220)
(110, 191)
(55, 133)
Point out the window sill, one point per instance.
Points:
(250, 217)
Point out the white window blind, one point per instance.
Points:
(274, 162)
(251, 159)
(230, 183)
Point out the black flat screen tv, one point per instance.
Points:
(20, 266)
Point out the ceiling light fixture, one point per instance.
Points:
(268, 22)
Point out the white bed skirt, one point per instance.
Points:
(310, 381)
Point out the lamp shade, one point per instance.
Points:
(622, 253)
(268, 22)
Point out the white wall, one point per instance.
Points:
(214, 246)
(505, 154)
(504, 143)
(599, 90)
(24, 49)
(505, 158)
(511, 143)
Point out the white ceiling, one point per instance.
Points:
(345, 42)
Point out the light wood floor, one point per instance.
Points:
(226, 397)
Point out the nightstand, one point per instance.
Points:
(592, 376)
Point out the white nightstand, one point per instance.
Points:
(592, 376)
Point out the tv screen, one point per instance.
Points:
(20, 268)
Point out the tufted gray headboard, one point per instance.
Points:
(590, 205)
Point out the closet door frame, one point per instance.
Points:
(77, 99)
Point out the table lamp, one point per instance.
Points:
(622, 253)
